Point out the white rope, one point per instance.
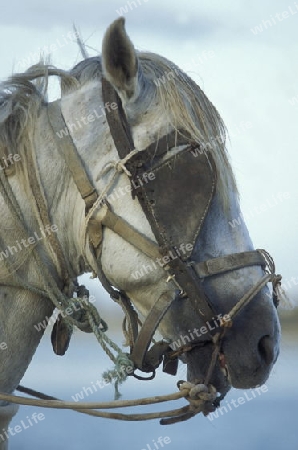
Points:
(119, 167)
(200, 400)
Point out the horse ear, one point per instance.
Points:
(119, 60)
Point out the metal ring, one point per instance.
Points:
(139, 377)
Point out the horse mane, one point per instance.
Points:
(177, 95)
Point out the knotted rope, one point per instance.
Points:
(119, 167)
(270, 276)
(200, 398)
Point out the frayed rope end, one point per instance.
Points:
(123, 367)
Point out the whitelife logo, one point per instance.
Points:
(24, 425)
(25, 243)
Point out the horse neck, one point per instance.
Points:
(65, 205)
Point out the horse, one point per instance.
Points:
(61, 249)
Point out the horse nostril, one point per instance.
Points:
(266, 349)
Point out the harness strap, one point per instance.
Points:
(147, 331)
(114, 222)
(117, 121)
(223, 264)
(42, 215)
(72, 159)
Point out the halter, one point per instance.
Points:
(183, 272)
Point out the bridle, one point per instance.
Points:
(183, 274)
(182, 271)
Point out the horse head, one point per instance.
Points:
(157, 99)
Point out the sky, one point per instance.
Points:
(244, 56)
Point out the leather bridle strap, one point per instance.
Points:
(139, 352)
(119, 127)
(71, 157)
(109, 219)
(227, 263)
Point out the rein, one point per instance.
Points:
(184, 274)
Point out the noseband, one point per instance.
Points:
(183, 180)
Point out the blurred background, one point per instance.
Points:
(244, 56)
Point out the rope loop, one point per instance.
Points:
(118, 165)
(82, 312)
